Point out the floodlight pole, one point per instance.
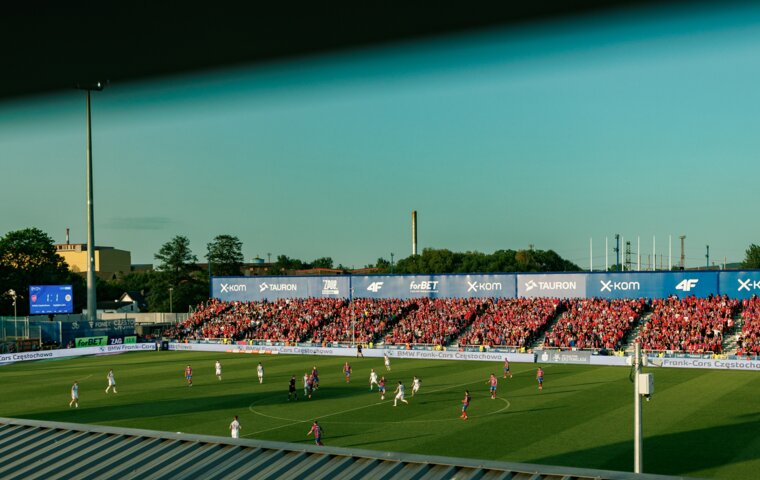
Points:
(91, 299)
(637, 436)
(353, 318)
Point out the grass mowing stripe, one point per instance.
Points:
(698, 422)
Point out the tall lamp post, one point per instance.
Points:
(171, 300)
(391, 262)
(91, 299)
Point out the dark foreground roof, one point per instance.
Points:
(32, 449)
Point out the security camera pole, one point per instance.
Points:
(91, 303)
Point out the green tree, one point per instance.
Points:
(225, 254)
(752, 258)
(324, 262)
(28, 257)
(177, 260)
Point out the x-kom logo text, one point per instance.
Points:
(226, 287)
(486, 286)
(610, 286)
(749, 285)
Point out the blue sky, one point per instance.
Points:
(643, 123)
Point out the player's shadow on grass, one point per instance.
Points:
(155, 408)
(388, 440)
(534, 394)
(670, 454)
(324, 393)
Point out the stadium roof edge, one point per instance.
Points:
(48, 458)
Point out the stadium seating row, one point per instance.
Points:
(694, 325)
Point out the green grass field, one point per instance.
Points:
(699, 423)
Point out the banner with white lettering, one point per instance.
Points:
(75, 352)
(559, 285)
(739, 284)
(563, 356)
(247, 289)
(351, 352)
(434, 286)
(651, 284)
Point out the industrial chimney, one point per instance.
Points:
(67, 235)
(414, 232)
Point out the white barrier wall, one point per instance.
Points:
(714, 363)
(351, 352)
(75, 352)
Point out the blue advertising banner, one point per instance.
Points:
(45, 299)
(552, 285)
(247, 289)
(434, 286)
(739, 284)
(651, 284)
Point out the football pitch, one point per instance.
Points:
(702, 423)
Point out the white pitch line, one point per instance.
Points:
(296, 422)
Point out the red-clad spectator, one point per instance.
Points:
(595, 323)
(435, 321)
(692, 325)
(513, 322)
(748, 342)
(363, 320)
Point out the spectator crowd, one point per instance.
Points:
(512, 322)
(595, 323)
(691, 325)
(748, 342)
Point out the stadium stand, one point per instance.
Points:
(748, 342)
(434, 321)
(692, 325)
(291, 320)
(511, 322)
(595, 324)
(364, 320)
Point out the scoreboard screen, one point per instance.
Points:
(45, 299)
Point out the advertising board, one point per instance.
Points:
(434, 286)
(739, 284)
(248, 289)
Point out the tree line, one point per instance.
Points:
(28, 257)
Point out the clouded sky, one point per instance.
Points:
(644, 124)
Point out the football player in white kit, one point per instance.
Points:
(218, 368)
(111, 381)
(260, 372)
(373, 379)
(387, 362)
(415, 385)
(74, 395)
(235, 428)
(399, 394)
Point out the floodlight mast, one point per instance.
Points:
(91, 299)
(637, 436)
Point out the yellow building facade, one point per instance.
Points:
(109, 262)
